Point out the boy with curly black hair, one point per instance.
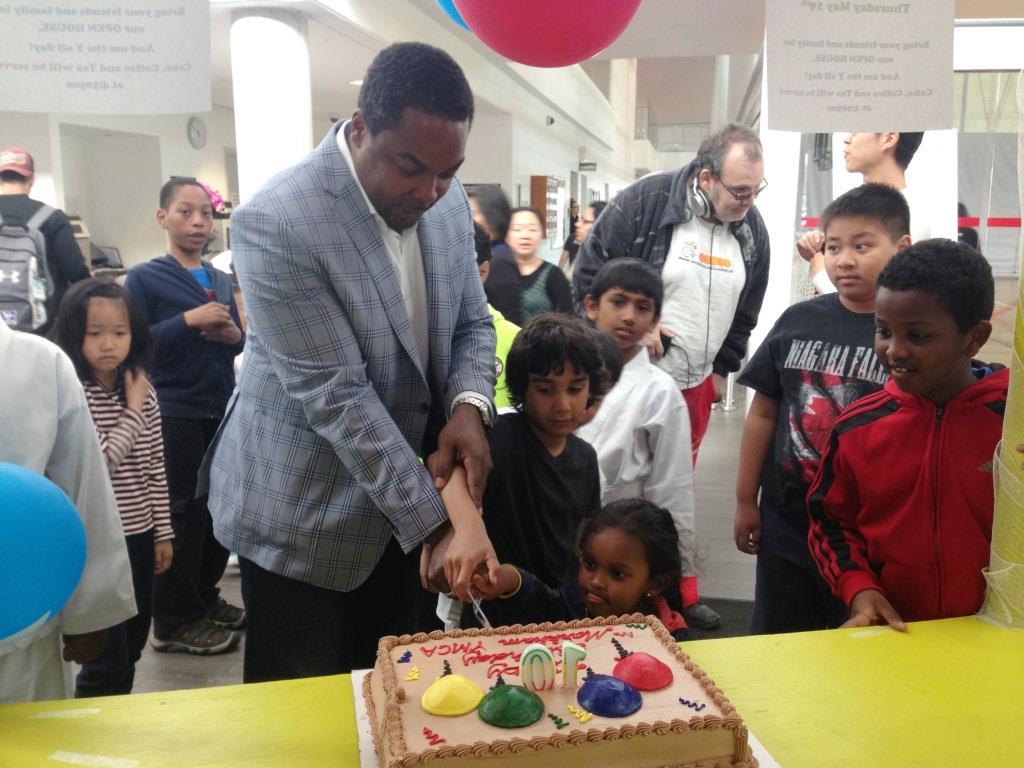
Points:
(901, 509)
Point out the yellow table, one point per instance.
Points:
(947, 693)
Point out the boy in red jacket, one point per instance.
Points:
(901, 508)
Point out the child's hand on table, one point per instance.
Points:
(869, 607)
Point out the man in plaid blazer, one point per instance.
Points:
(368, 330)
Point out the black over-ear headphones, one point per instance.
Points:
(702, 204)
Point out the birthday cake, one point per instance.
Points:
(593, 693)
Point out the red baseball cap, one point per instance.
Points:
(18, 160)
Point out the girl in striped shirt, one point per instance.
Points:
(107, 339)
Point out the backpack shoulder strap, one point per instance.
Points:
(40, 216)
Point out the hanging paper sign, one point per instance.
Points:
(853, 65)
(106, 56)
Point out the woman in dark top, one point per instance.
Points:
(521, 283)
(491, 209)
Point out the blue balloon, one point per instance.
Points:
(448, 6)
(42, 549)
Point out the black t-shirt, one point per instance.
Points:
(818, 359)
(520, 297)
(63, 256)
(534, 502)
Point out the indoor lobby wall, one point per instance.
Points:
(167, 152)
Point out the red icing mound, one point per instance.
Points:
(643, 671)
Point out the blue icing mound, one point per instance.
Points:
(608, 696)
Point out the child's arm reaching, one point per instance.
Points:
(519, 597)
(508, 582)
(758, 431)
(468, 546)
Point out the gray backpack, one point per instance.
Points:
(25, 282)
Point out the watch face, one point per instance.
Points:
(196, 132)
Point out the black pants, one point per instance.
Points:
(113, 672)
(189, 588)
(298, 630)
(790, 595)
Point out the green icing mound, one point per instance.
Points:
(511, 706)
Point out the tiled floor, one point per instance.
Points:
(727, 575)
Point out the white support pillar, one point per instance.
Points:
(272, 93)
(778, 208)
(720, 92)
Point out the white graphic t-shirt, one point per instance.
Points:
(704, 276)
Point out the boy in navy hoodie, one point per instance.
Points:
(196, 333)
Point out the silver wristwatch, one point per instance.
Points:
(480, 403)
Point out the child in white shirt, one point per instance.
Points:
(47, 428)
(642, 430)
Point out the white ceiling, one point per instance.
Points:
(673, 28)
(676, 90)
(663, 32)
(675, 42)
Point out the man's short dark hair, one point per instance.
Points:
(598, 206)
(544, 345)
(712, 151)
(906, 145)
(879, 202)
(9, 176)
(416, 75)
(495, 208)
(954, 273)
(482, 244)
(629, 274)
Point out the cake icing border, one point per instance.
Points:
(395, 693)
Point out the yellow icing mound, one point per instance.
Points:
(451, 696)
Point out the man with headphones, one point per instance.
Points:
(699, 228)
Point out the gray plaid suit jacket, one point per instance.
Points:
(316, 466)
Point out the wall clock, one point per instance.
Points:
(196, 131)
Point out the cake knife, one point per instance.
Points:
(479, 612)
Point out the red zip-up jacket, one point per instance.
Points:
(903, 499)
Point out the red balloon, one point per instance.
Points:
(547, 33)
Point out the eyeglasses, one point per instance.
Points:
(742, 195)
